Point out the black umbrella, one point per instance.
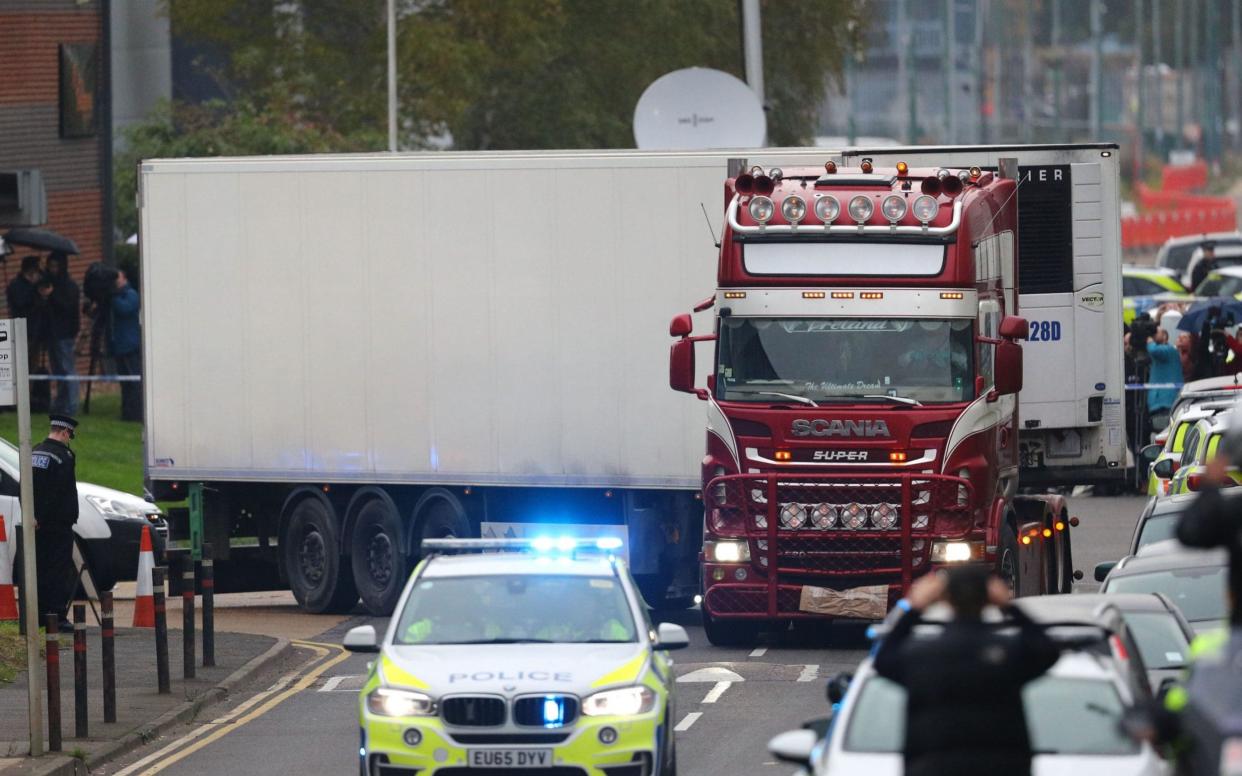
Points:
(1192, 320)
(41, 240)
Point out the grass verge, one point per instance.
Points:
(109, 450)
(12, 652)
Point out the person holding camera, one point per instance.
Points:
(964, 712)
(125, 344)
(65, 322)
(1166, 369)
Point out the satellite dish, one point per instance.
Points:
(699, 108)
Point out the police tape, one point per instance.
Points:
(1152, 386)
(86, 378)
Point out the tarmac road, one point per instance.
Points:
(725, 715)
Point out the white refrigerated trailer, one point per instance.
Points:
(353, 353)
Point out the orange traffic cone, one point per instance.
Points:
(144, 599)
(8, 601)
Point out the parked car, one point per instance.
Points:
(1225, 281)
(1145, 287)
(1149, 622)
(1176, 252)
(1072, 713)
(1194, 580)
(109, 526)
(1158, 521)
(1226, 256)
(1165, 459)
(1202, 441)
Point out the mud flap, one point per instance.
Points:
(862, 603)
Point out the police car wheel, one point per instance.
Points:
(319, 576)
(377, 557)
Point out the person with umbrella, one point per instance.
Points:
(1209, 320)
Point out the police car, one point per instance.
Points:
(519, 654)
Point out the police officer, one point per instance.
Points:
(56, 510)
(964, 711)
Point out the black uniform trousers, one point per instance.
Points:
(57, 576)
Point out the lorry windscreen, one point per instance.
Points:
(839, 359)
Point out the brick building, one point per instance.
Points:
(52, 118)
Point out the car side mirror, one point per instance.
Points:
(1150, 453)
(672, 636)
(837, 687)
(1014, 327)
(1102, 569)
(1008, 368)
(794, 746)
(361, 639)
(819, 725)
(681, 325)
(1164, 469)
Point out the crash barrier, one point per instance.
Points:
(1184, 177)
(51, 649)
(161, 633)
(8, 596)
(865, 535)
(144, 598)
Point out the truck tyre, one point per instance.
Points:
(440, 520)
(377, 556)
(729, 633)
(318, 575)
(1007, 563)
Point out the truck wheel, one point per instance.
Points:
(377, 556)
(441, 520)
(1007, 564)
(318, 576)
(729, 633)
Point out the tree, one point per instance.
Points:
(512, 74)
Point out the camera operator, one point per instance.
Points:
(1215, 344)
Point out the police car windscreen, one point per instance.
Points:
(1220, 285)
(1063, 716)
(838, 359)
(1199, 593)
(516, 609)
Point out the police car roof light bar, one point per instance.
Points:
(539, 544)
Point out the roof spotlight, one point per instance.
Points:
(827, 209)
(893, 207)
(861, 208)
(761, 209)
(925, 208)
(793, 208)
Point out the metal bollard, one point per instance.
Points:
(187, 621)
(161, 630)
(107, 635)
(80, 723)
(207, 586)
(52, 647)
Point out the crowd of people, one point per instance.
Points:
(52, 302)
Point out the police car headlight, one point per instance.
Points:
(389, 702)
(625, 702)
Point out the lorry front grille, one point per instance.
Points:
(473, 711)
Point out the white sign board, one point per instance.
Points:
(8, 396)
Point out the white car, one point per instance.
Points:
(109, 525)
(1072, 713)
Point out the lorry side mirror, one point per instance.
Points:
(681, 326)
(1008, 367)
(681, 366)
(1014, 327)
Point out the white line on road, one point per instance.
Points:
(809, 673)
(714, 694)
(332, 683)
(687, 721)
(759, 652)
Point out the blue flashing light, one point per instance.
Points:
(608, 543)
(553, 712)
(543, 544)
(566, 544)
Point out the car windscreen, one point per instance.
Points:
(1198, 592)
(516, 608)
(1160, 639)
(1220, 285)
(1063, 715)
(1157, 528)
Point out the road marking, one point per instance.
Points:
(711, 674)
(759, 652)
(714, 694)
(335, 681)
(809, 673)
(682, 726)
(265, 702)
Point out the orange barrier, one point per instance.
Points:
(8, 602)
(1184, 177)
(1152, 229)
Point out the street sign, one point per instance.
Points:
(8, 396)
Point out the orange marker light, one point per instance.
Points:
(830, 167)
(897, 456)
(866, 166)
(1060, 526)
(952, 295)
(784, 455)
(902, 168)
(734, 294)
(871, 295)
(1047, 533)
(813, 295)
(842, 294)
(1026, 540)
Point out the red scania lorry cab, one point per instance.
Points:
(862, 405)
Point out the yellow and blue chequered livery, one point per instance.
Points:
(518, 661)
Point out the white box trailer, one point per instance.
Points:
(352, 353)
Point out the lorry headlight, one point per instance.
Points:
(793, 516)
(625, 702)
(884, 516)
(391, 702)
(854, 516)
(956, 552)
(728, 552)
(824, 516)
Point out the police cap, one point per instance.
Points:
(63, 421)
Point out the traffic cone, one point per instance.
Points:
(8, 601)
(144, 599)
